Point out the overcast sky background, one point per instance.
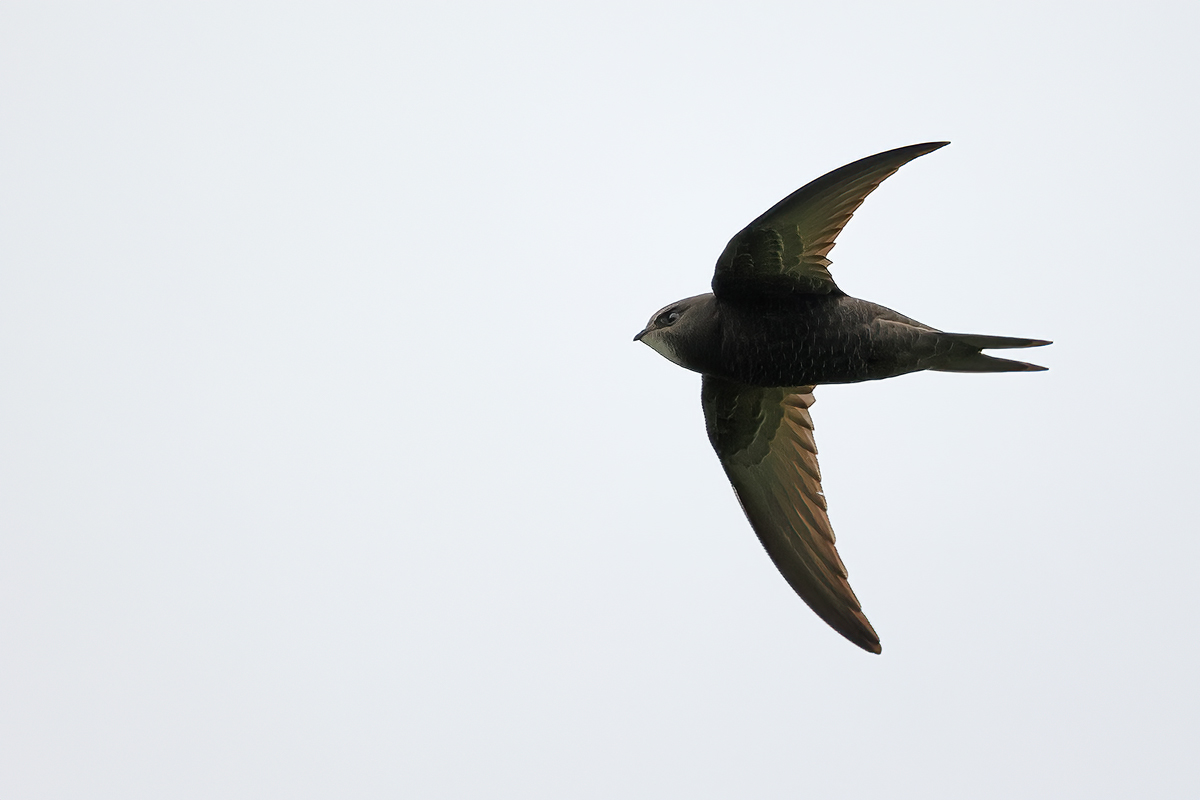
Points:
(329, 467)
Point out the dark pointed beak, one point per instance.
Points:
(638, 338)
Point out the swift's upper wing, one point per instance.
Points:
(764, 439)
(784, 251)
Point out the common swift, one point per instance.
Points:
(774, 327)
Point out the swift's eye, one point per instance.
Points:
(668, 318)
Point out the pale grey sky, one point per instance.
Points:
(328, 467)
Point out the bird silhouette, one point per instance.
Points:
(775, 326)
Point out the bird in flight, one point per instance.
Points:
(774, 327)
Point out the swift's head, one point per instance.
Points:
(684, 332)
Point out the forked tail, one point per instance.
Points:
(963, 354)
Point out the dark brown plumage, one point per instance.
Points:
(774, 327)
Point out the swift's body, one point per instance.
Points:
(774, 327)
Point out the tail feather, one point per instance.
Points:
(964, 356)
(978, 362)
(980, 342)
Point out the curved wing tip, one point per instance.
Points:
(866, 639)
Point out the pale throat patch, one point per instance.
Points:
(661, 345)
